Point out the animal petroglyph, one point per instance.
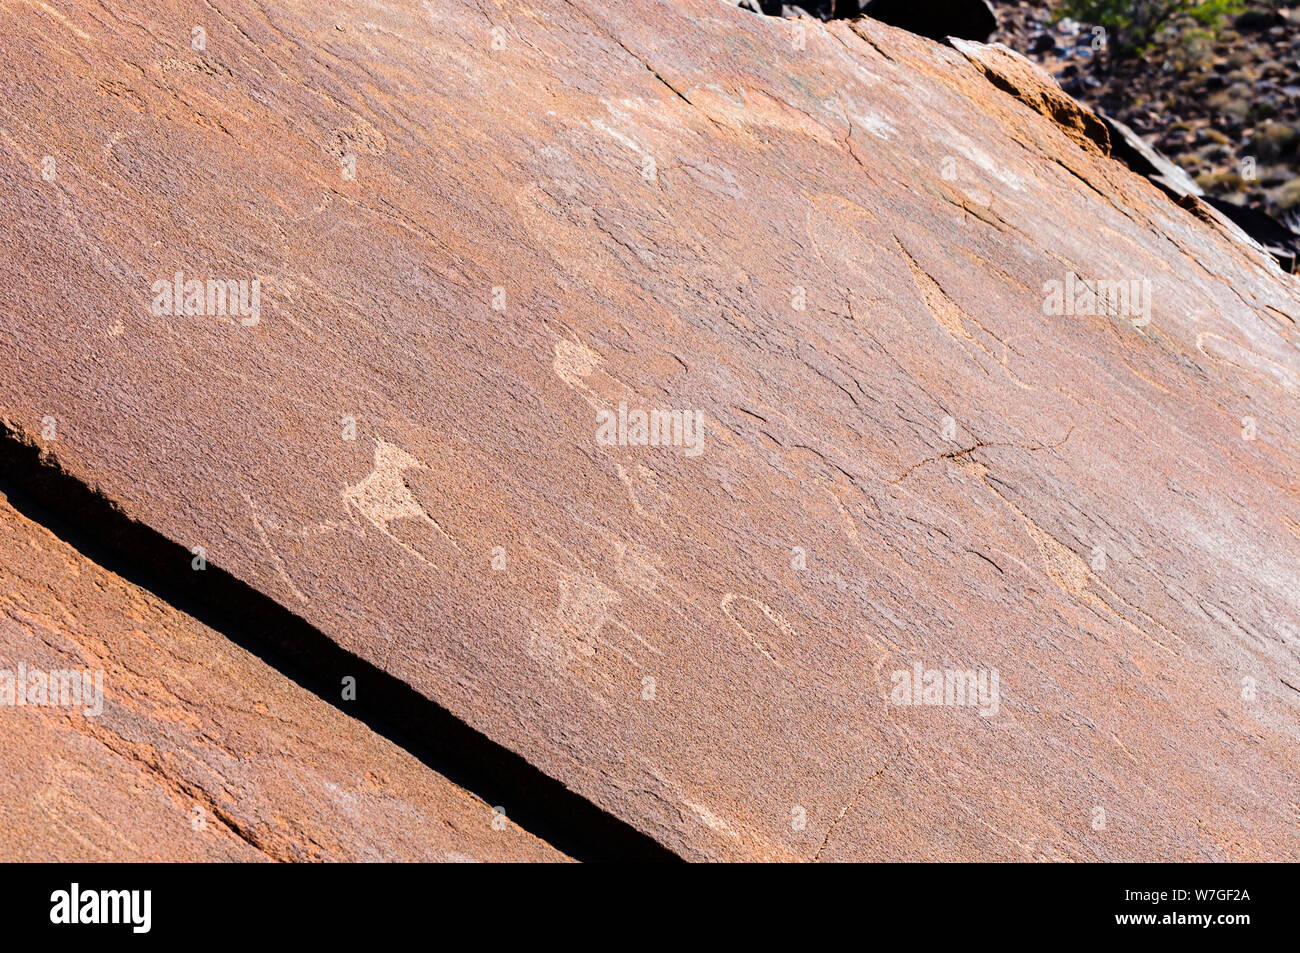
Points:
(637, 566)
(646, 479)
(776, 626)
(1068, 570)
(576, 640)
(383, 496)
(574, 363)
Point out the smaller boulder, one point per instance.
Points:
(937, 19)
(1259, 20)
(1042, 43)
(1131, 149)
(1278, 240)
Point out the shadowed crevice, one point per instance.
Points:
(95, 526)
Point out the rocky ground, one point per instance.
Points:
(1225, 108)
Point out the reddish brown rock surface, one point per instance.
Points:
(834, 241)
(199, 751)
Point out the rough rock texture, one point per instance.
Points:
(200, 752)
(1029, 83)
(1257, 227)
(835, 242)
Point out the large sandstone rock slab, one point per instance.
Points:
(479, 227)
(184, 747)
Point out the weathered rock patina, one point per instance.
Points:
(189, 748)
(477, 225)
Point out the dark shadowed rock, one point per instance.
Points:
(1259, 20)
(1042, 43)
(936, 19)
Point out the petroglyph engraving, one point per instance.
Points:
(383, 497)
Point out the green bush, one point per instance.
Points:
(1131, 25)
